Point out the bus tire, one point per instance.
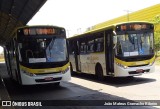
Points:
(99, 72)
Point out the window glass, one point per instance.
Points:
(83, 48)
(90, 46)
(43, 50)
(134, 44)
(99, 42)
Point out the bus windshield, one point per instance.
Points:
(134, 44)
(38, 50)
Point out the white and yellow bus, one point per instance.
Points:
(38, 55)
(121, 50)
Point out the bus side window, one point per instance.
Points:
(83, 48)
(99, 45)
(91, 46)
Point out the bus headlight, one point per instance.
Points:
(64, 71)
(125, 67)
(29, 74)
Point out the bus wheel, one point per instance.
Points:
(99, 72)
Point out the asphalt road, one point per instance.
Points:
(87, 87)
(144, 87)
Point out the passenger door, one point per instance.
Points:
(109, 52)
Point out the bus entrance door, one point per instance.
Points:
(109, 52)
(78, 62)
(77, 57)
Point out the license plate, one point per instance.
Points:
(139, 71)
(48, 78)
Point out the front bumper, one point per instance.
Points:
(132, 71)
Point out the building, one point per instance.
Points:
(146, 14)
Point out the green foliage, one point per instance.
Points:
(156, 22)
(158, 53)
(157, 41)
(157, 61)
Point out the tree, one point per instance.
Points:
(156, 22)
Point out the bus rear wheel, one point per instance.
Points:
(99, 72)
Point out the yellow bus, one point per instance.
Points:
(120, 50)
(38, 55)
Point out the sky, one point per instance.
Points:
(1, 49)
(77, 15)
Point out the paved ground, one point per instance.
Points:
(145, 87)
(86, 87)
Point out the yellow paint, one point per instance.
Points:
(46, 70)
(146, 14)
(135, 63)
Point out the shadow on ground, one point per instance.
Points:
(116, 81)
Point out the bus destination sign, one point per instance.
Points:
(38, 31)
(134, 27)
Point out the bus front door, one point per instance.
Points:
(109, 52)
(77, 57)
